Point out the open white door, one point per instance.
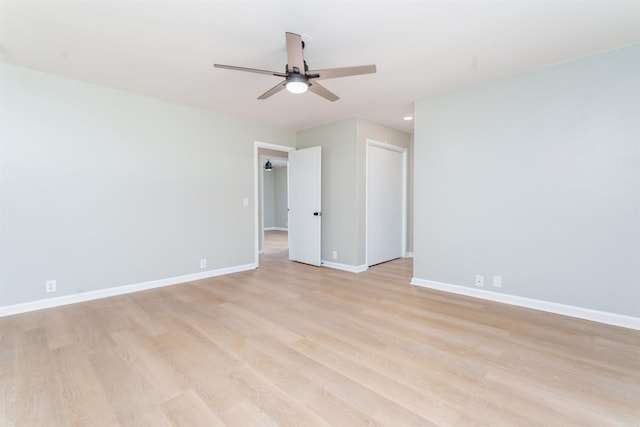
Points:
(305, 210)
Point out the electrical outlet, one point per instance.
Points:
(50, 286)
(203, 263)
(334, 254)
(479, 280)
(497, 281)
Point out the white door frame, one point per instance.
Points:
(403, 151)
(256, 167)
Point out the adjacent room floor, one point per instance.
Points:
(276, 241)
(290, 344)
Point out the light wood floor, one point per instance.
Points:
(275, 241)
(294, 345)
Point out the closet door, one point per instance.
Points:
(385, 204)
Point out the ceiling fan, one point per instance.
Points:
(298, 78)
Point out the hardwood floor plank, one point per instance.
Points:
(436, 412)
(90, 331)
(203, 366)
(7, 403)
(265, 325)
(333, 409)
(432, 385)
(82, 397)
(60, 329)
(106, 313)
(276, 404)
(37, 393)
(378, 408)
(565, 372)
(247, 414)
(188, 410)
(284, 315)
(536, 404)
(276, 241)
(298, 387)
(30, 320)
(7, 376)
(134, 400)
(150, 364)
(138, 318)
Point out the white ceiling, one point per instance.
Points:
(166, 49)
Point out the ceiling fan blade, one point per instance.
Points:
(294, 53)
(277, 88)
(318, 89)
(332, 73)
(250, 70)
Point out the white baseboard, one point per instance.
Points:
(345, 267)
(551, 307)
(9, 310)
(276, 229)
(409, 255)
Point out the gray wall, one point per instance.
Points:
(269, 192)
(344, 182)
(280, 200)
(339, 192)
(536, 179)
(275, 199)
(101, 188)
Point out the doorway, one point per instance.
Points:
(274, 201)
(304, 201)
(260, 150)
(386, 201)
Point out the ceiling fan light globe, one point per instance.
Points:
(297, 86)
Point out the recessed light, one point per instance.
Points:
(407, 118)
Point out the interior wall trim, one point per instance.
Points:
(9, 310)
(551, 307)
(345, 267)
(276, 229)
